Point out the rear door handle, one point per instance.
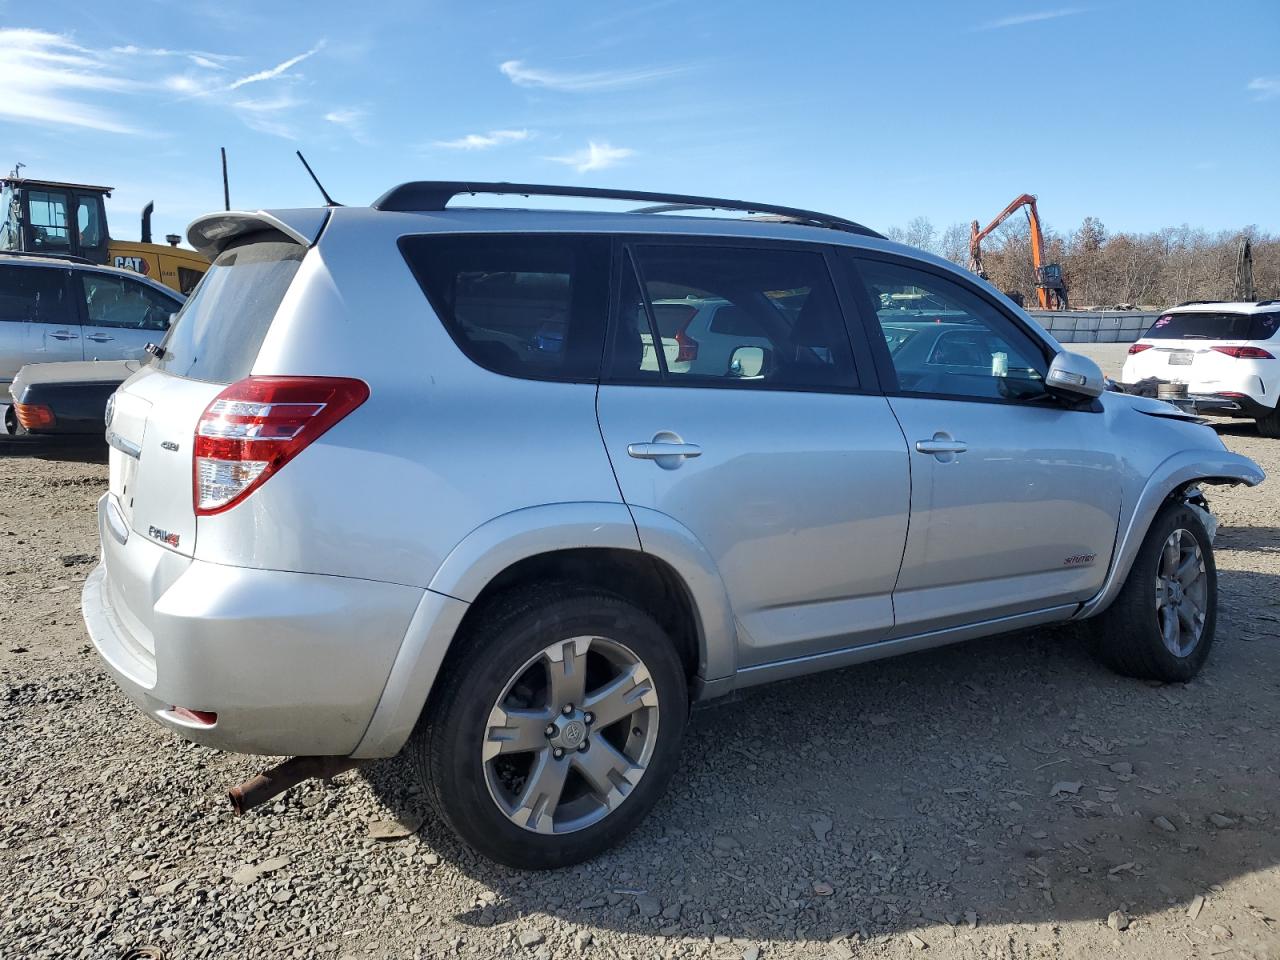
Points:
(100, 338)
(666, 449)
(941, 446)
(64, 335)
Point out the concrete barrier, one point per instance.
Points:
(1095, 326)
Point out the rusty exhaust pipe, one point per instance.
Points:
(271, 783)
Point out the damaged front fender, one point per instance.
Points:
(1180, 475)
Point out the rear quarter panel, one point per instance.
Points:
(440, 447)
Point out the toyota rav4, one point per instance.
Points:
(416, 478)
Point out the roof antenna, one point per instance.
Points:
(328, 200)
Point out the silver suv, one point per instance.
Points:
(64, 308)
(415, 477)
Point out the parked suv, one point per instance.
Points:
(414, 477)
(60, 309)
(1226, 354)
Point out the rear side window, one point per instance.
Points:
(1214, 326)
(35, 295)
(762, 318)
(220, 329)
(523, 306)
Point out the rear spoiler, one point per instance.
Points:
(214, 232)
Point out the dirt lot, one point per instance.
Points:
(1000, 799)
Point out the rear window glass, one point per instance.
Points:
(220, 329)
(523, 306)
(672, 318)
(1214, 326)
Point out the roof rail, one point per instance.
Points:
(1267, 303)
(1192, 303)
(41, 255)
(423, 195)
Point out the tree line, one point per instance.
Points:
(1106, 270)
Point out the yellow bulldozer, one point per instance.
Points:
(69, 220)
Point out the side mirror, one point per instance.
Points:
(1074, 376)
(749, 363)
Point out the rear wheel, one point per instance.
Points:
(556, 729)
(1269, 426)
(1162, 624)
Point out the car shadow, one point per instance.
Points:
(89, 448)
(1007, 780)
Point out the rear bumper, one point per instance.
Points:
(291, 663)
(1218, 405)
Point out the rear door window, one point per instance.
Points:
(530, 306)
(1199, 325)
(765, 317)
(219, 331)
(35, 295)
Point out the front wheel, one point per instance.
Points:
(1162, 624)
(556, 729)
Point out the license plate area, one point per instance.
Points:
(1181, 358)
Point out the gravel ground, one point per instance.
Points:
(1005, 798)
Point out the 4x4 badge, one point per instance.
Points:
(169, 445)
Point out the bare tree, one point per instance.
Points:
(1103, 269)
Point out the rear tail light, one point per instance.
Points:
(257, 425)
(33, 416)
(686, 347)
(1245, 353)
(1138, 348)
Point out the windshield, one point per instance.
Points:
(217, 334)
(1214, 326)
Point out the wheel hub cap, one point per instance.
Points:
(571, 731)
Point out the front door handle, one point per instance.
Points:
(666, 449)
(943, 446)
(63, 335)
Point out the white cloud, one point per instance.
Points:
(350, 119)
(345, 116)
(595, 156)
(282, 101)
(49, 79)
(1018, 19)
(273, 72)
(1265, 88)
(483, 141)
(201, 58)
(525, 76)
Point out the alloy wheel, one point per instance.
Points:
(571, 735)
(1182, 592)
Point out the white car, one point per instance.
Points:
(1226, 354)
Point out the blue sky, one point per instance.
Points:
(1139, 112)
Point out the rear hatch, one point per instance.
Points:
(213, 342)
(1202, 348)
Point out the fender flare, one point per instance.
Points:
(497, 544)
(1179, 470)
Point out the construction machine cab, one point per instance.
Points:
(58, 219)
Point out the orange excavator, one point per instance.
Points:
(1050, 288)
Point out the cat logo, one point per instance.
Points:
(136, 264)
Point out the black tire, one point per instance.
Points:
(1269, 426)
(446, 749)
(1128, 637)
